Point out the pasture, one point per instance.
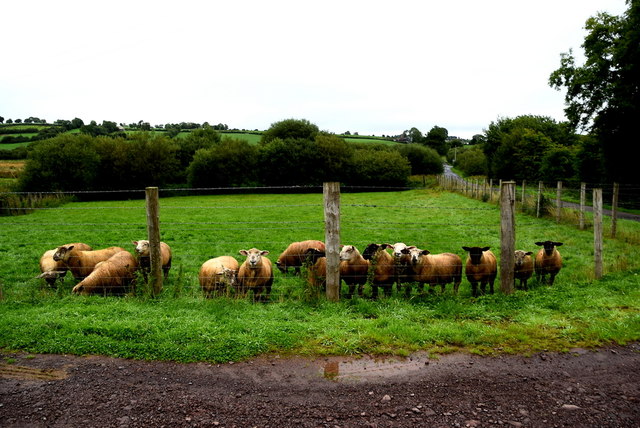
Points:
(181, 325)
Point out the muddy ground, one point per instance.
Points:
(577, 389)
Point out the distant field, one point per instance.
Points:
(11, 168)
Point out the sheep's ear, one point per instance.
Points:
(264, 252)
(557, 244)
(243, 252)
(425, 252)
(135, 243)
(528, 253)
(485, 248)
(539, 243)
(70, 247)
(466, 248)
(385, 246)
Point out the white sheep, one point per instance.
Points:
(256, 274)
(82, 262)
(218, 275)
(112, 276)
(144, 258)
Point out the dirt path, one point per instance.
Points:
(578, 389)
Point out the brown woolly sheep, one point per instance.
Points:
(353, 268)
(523, 267)
(403, 269)
(295, 254)
(52, 269)
(82, 262)
(255, 274)
(384, 269)
(316, 263)
(218, 275)
(548, 261)
(111, 276)
(144, 259)
(435, 269)
(481, 267)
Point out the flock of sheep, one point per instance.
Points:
(112, 270)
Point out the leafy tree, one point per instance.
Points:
(472, 161)
(230, 162)
(198, 139)
(76, 123)
(603, 94)
(1, 119)
(436, 138)
(478, 139)
(379, 167)
(557, 164)
(290, 129)
(293, 161)
(423, 160)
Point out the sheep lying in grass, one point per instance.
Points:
(144, 259)
(548, 261)
(112, 276)
(435, 269)
(294, 255)
(52, 269)
(353, 269)
(256, 274)
(523, 267)
(481, 267)
(82, 262)
(218, 276)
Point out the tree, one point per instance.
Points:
(423, 160)
(290, 129)
(1, 119)
(436, 138)
(603, 95)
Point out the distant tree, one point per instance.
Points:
(230, 162)
(9, 121)
(603, 95)
(436, 138)
(423, 160)
(379, 167)
(1, 119)
(290, 129)
(558, 163)
(18, 121)
(478, 139)
(415, 136)
(77, 123)
(471, 161)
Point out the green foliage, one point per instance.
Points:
(436, 138)
(381, 167)
(471, 161)
(290, 129)
(230, 162)
(423, 160)
(558, 164)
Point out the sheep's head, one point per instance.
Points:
(228, 276)
(254, 256)
(475, 253)
(372, 249)
(142, 247)
(548, 246)
(349, 252)
(62, 253)
(415, 254)
(520, 257)
(398, 250)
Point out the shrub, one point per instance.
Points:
(231, 162)
(423, 160)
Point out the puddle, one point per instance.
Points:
(368, 368)
(11, 371)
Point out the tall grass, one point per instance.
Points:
(181, 325)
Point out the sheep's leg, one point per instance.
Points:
(552, 277)
(474, 288)
(491, 286)
(456, 284)
(374, 291)
(407, 289)
(442, 288)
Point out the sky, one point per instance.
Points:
(372, 67)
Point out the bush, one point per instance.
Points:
(229, 163)
(376, 167)
(472, 161)
(423, 160)
(296, 129)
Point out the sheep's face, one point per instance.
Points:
(398, 249)
(254, 257)
(228, 276)
(348, 253)
(416, 254)
(62, 253)
(549, 246)
(520, 257)
(475, 253)
(142, 247)
(313, 254)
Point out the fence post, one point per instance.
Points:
(153, 234)
(597, 232)
(614, 209)
(331, 194)
(507, 235)
(538, 203)
(583, 196)
(524, 183)
(491, 190)
(559, 202)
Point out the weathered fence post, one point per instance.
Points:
(614, 210)
(331, 194)
(507, 235)
(597, 232)
(539, 202)
(583, 197)
(559, 202)
(153, 234)
(491, 190)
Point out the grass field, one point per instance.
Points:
(181, 325)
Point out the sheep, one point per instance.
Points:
(353, 269)
(52, 269)
(384, 271)
(435, 269)
(255, 273)
(111, 276)
(218, 275)
(144, 259)
(523, 267)
(82, 262)
(548, 261)
(295, 254)
(316, 263)
(403, 269)
(481, 267)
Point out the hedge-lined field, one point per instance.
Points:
(182, 325)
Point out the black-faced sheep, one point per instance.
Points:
(82, 262)
(384, 271)
(435, 269)
(316, 263)
(52, 269)
(295, 254)
(481, 267)
(112, 276)
(353, 268)
(144, 259)
(255, 274)
(548, 261)
(523, 267)
(218, 276)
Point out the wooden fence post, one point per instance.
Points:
(153, 234)
(524, 202)
(583, 197)
(539, 202)
(559, 202)
(614, 210)
(597, 232)
(491, 190)
(331, 194)
(507, 235)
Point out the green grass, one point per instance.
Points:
(181, 325)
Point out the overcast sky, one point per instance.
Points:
(370, 67)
